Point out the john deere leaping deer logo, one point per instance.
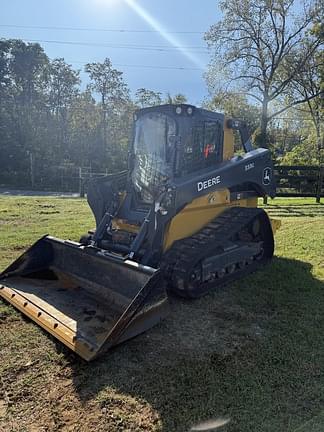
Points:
(266, 178)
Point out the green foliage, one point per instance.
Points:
(305, 153)
(114, 98)
(108, 83)
(145, 98)
(259, 47)
(236, 106)
(47, 122)
(62, 89)
(299, 156)
(176, 99)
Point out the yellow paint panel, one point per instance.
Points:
(199, 213)
(194, 216)
(228, 146)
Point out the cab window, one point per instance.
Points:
(204, 146)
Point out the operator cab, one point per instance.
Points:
(172, 141)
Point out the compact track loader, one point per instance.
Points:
(183, 218)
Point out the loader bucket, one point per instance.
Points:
(86, 297)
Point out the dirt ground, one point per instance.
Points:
(248, 357)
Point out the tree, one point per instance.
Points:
(251, 44)
(120, 132)
(28, 69)
(307, 85)
(63, 85)
(6, 119)
(108, 82)
(4, 67)
(146, 98)
(177, 99)
(27, 72)
(304, 152)
(84, 125)
(236, 106)
(46, 122)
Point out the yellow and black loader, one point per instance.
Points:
(183, 218)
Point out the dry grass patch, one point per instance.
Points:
(253, 352)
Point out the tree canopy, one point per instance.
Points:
(259, 46)
(267, 67)
(47, 123)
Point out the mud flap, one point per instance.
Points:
(87, 298)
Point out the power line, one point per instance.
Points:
(297, 118)
(161, 48)
(95, 29)
(182, 68)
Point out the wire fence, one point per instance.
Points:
(292, 181)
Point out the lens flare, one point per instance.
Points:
(156, 25)
(210, 425)
(106, 3)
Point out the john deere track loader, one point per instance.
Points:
(183, 219)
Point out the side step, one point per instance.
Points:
(86, 297)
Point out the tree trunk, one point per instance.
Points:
(104, 127)
(319, 144)
(263, 140)
(104, 121)
(319, 156)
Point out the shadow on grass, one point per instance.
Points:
(253, 352)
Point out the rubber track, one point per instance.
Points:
(182, 258)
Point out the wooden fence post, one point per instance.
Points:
(81, 184)
(319, 184)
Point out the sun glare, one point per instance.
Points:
(106, 3)
(156, 25)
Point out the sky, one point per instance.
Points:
(158, 35)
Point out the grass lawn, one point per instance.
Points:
(252, 353)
